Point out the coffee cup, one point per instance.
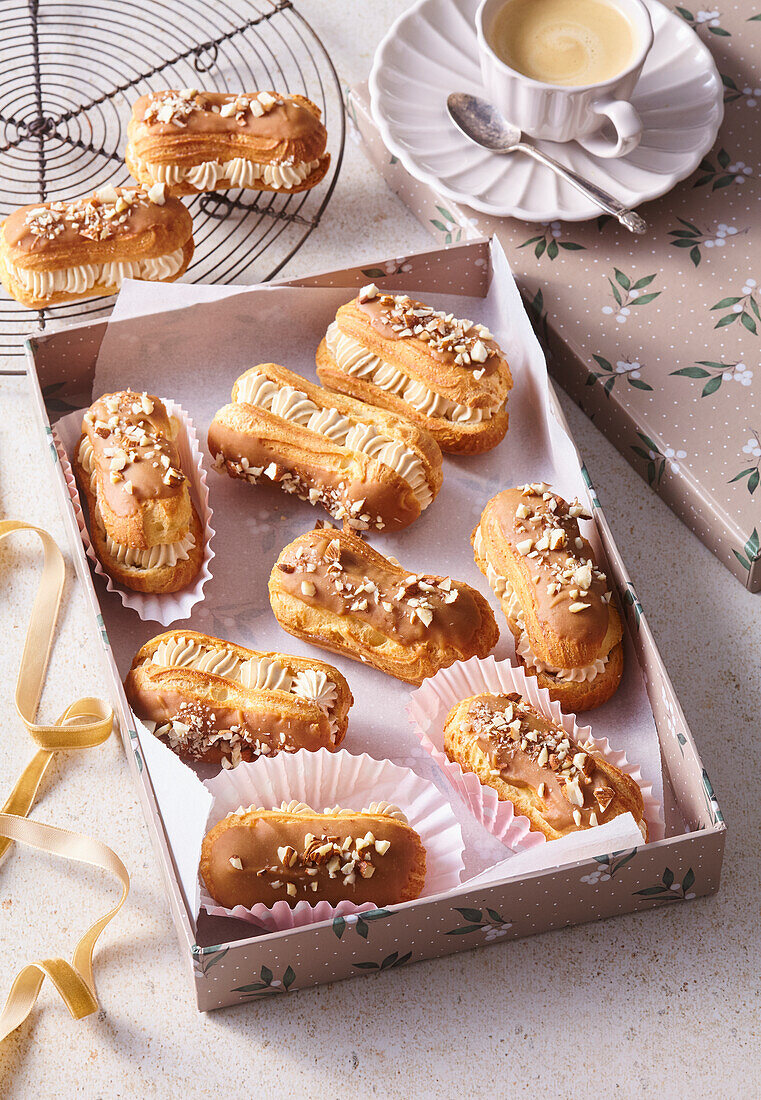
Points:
(565, 70)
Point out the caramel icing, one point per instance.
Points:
(352, 357)
(262, 673)
(260, 857)
(360, 504)
(131, 456)
(80, 277)
(443, 336)
(514, 612)
(239, 732)
(319, 570)
(273, 119)
(291, 404)
(527, 750)
(112, 213)
(571, 595)
(238, 171)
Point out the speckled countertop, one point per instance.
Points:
(665, 1003)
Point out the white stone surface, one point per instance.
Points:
(657, 1004)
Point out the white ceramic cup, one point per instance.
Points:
(559, 112)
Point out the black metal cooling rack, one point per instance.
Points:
(69, 73)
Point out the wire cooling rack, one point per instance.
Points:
(69, 73)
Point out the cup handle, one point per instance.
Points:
(626, 123)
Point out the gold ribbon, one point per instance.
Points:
(84, 724)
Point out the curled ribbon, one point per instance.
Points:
(84, 724)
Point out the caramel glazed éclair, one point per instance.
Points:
(560, 785)
(219, 702)
(446, 374)
(331, 588)
(294, 854)
(554, 596)
(367, 467)
(145, 528)
(59, 251)
(206, 141)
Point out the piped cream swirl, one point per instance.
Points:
(292, 404)
(353, 358)
(80, 277)
(239, 171)
(154, 557)
(258, 673)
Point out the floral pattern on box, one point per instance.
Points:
(657, 337)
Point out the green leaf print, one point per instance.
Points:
(751, 551)
(390, 961)
(268, 986)
(743, 307)
(547, 244)
(341, 924)
(668, 890)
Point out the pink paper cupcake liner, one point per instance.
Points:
(164, 608)
(429, 706)
(324, 779)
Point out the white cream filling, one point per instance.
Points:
(239, 171)
(291, 404)
(294, 807)
(80, 277)
(165, 553)
(504, 591)
(261, 673)
(154, 557)
(352, 357)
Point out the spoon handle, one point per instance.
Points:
(628, 218)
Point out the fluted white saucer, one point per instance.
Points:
(431, 50)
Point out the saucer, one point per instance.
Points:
(431, 50)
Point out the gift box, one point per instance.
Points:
(656, 337)
(504, 893)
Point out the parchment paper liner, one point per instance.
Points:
(429, 705)
(324, 779)
(163, 608)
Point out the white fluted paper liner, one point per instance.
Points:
(324, 779)
(430, 704)
(167, 607)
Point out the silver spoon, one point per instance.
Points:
(482, 124)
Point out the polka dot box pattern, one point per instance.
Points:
(229, 965)
(656, 337)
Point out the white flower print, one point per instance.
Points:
(391, 267)
(633, 368)
(740, 170)
(753, 447)
(751, 95)
(722, 232)
(594, 877)
(621, 314)
(738, 373)
(676, 888)
(493, 933)
(670, 454)
(709, 17)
